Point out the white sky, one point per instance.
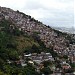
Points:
(50, 12)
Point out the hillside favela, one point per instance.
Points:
(30, 47)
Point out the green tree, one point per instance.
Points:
(13, 54)
(46, 71)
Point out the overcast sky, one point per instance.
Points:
(50, 12)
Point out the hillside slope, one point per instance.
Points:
(20, 33)
(29, 25)
(52, 38)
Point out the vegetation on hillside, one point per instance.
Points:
(14, 43)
